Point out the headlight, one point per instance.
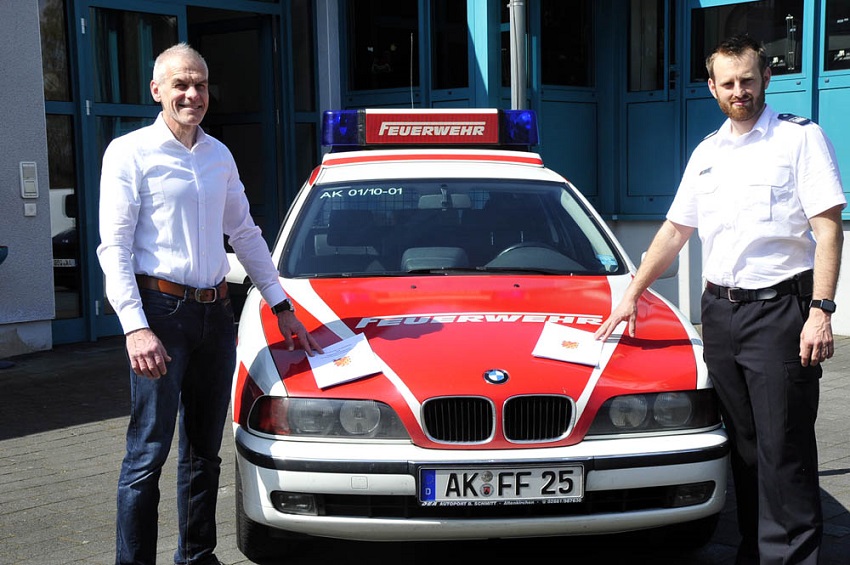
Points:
(658, 412)
(628, 412)
(329, 418)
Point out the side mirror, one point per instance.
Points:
(670, 272)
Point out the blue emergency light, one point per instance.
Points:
(350, 129)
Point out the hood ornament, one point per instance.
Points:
(496, 376)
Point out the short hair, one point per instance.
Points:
(736, 46)
(178, 50)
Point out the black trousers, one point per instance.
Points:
(769, 403)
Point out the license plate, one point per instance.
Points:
(499, 485)
(64, 262)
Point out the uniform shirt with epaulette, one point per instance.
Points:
(751, 196)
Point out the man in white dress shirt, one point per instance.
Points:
(169, 194)
(765, 194)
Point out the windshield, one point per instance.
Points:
(395, 228)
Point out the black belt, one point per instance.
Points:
(202, 295)
(799, 285)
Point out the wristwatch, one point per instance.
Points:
(283, 306)
(825, 305)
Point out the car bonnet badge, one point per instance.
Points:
(496, 376)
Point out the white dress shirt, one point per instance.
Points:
(751, 197)
(164, 212)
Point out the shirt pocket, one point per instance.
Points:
(762, 190)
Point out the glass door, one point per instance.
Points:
(117, 51)
(652, 107)
(109, 95)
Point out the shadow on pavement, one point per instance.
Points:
(70, 385)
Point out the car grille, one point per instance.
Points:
(472, 419)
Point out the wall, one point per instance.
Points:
(26, 276)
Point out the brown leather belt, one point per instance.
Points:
(799, 285)
(202, 295)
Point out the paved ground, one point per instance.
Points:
(62, 420)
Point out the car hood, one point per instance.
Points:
(438, 336)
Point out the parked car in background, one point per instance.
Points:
(455, 283)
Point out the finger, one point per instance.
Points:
(602, 332)
(313, 345)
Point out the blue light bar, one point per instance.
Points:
(480, 127)
(519, 127)
(342, 128)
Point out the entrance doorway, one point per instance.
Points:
(115, 57)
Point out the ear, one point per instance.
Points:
(767, 74)
(712, 88)
(155, 92)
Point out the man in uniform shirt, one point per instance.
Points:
(758, 190)
(169, 193)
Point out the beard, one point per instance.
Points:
(752, 107)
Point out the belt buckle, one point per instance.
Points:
(199, 295)
(730, 292)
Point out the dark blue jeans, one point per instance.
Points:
(201, 340)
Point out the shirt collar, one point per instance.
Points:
(759, 129)
(163, 135)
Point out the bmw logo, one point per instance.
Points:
(496, 376)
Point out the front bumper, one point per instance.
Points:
(369, 491)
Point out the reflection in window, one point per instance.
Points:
(776, 23)
(108, 128)
(837, 50)
(63, 216)
(54, 50)
(125, 47)
(382, 41)
(450, 46)
(646, 45)
(566, 42)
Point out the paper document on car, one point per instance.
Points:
(344, 361)
(565, 343)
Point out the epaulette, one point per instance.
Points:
(709, 135)
(794, 119)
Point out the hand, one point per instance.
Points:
(625, 311)
(816, 340)
(147, 354)
(291, 326)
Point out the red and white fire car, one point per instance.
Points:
(461, 395)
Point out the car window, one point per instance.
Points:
(466, 226)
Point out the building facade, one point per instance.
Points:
(619, 87)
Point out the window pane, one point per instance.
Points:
(837, 52)
(306, 157)
(566, 42)
(303, 60)
(776, 23)
(383, 40)
(450, 46)
(646, 45)
(108, 128)
(125, 47)
(54, 50)
(234, 79)
(63, 216)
